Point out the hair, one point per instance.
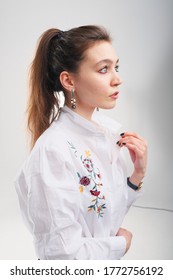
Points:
(57, 51)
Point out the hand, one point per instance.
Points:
(137, 147)
(128, 236)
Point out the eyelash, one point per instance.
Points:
(106, 67)
(117, 68)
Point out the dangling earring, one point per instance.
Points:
(73, 100)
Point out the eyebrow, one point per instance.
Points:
(107, 61)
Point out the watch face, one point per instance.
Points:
(140, 185)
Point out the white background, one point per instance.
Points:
(143, 38)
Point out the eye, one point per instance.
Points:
(117, 68)
(104, 69)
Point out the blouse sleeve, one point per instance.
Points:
(132, 196)
(51, 210)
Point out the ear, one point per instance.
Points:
(66, 80)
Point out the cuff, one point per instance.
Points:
(118, 247)
(132, 196)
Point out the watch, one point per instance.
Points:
(134, 187)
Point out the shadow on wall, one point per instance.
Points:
(159, 116)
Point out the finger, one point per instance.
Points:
(137, 149)
(134, 134)
(130, 139)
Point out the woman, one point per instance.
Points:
(73, 188)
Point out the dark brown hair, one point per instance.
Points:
(57, 51)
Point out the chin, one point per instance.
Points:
(108, 106)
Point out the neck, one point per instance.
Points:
(85, 112)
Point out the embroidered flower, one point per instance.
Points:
(85, 181)
(88, 164)
(99, 209)
(81, 189)
(87, 153)
(95, 193)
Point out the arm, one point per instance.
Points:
(137, 148)
(127, 235)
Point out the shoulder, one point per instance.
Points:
(54, 136)
(51, 148)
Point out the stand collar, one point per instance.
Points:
(97, 125)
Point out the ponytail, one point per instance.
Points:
(43, 106)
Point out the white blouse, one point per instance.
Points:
(73, 191)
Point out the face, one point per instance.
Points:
(97, 81)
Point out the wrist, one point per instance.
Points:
(133, 186)
(136, 178)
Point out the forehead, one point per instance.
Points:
(101, 50)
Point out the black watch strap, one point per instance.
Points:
(134, 187)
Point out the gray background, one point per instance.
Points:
(143, 38)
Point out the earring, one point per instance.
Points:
(97, 109)
(73, 100)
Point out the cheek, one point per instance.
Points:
(99, 84)
(85, 85)
(92, 84)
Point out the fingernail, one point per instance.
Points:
(122, 134)
(117, 142)
(124, 143)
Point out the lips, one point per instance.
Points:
(114, 95)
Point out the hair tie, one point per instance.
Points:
(60, 34)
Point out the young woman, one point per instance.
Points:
(73, 189)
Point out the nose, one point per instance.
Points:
(116, 79)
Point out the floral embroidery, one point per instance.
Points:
(85, 181)
(88, 154)
(88, 164)
(91, 182)
(81, 189)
